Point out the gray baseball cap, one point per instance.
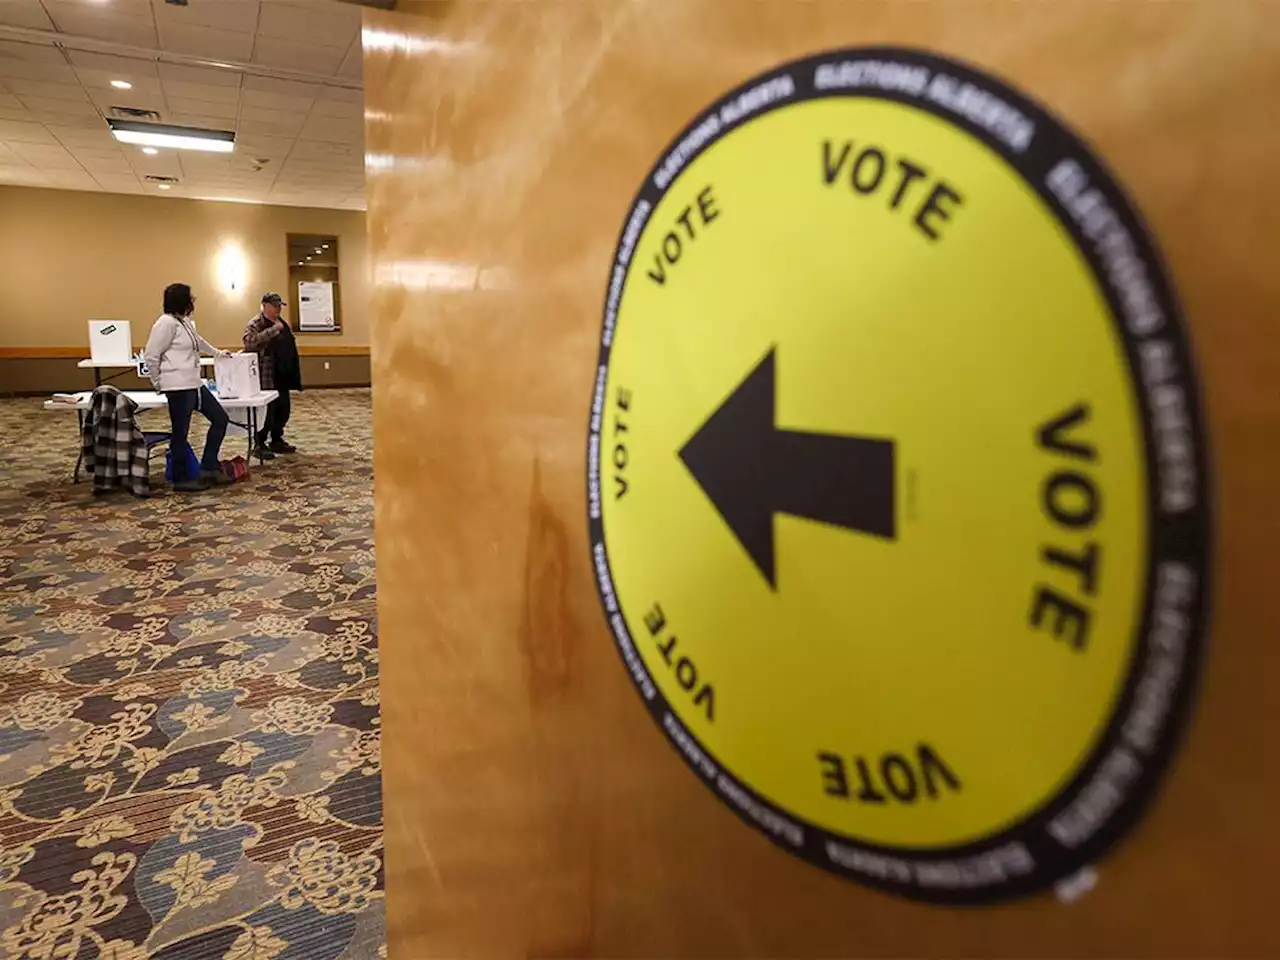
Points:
(273, 298)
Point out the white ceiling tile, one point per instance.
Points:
(257, 145)
(201, 91)
(198, 171)
(333, 130)
(70, 180)
(128, 8)
(343, 94)
(26, 176)
(259, 128)
(284, 88)
(45, 156)
(10, 101)
(282, 118)
(113, 184)
(49, 91)
(339, 110)
(96, 154)
(205, 108)
(78, 137)
(37, 51)
(324, 24)
(46, 107)
(12, 132)
(24, 13)
(124, 68)
(99, 82)
(247, 162)
(162, 165)
(353, 64)
(15, 68)
(106, 168)
(275, 101)
(297, 55)
(199, 120)
(330, 152)
(212, 76)
(85, 122)
(206, 41)
(240, 16)
(119, 21)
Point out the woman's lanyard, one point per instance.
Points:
(195, 345)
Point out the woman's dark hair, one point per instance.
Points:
(177, 299)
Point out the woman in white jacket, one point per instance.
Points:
(173, 364)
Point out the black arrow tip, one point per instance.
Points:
(728, 457)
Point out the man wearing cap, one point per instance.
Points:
(271, 338)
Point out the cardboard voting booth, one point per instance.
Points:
(110, 341)
(237, 375)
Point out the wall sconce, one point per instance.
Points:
(230, 269)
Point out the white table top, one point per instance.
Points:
(149, 400)
(119, 365)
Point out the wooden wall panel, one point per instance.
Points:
(531, 806)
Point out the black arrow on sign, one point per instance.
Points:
(751, 470)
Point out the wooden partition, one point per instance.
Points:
(532, 807)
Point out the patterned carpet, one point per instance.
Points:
(189, 741)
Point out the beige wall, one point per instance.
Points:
(66, 257)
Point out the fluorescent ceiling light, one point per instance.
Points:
(165, 186)
(179, 138)
(150, 151)
(122, 84)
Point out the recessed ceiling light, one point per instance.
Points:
(122, 84)
(150, 151)
(318, 250)
(325, 245)
(164, 186)
(308, 258)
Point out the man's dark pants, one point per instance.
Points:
(273, 423)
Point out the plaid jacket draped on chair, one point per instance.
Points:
(114, 449)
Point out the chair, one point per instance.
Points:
(153, 440)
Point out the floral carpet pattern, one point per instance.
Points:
(189, 718)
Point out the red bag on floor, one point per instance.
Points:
(235, 468)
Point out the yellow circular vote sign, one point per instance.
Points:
(897, 492)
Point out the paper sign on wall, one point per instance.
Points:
(315, 305)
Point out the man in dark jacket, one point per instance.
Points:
(270, 336)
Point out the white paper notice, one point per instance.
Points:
(315, 305)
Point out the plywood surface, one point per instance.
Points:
(531, 806)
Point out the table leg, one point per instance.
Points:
(75, 476)
(97, 377)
